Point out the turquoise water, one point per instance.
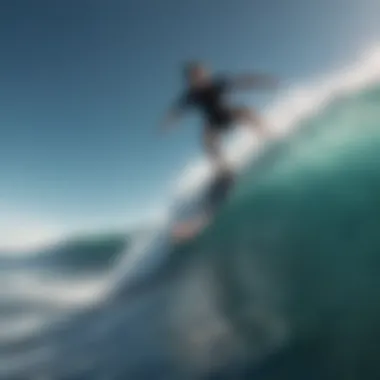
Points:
(285, 284)
(298, 247)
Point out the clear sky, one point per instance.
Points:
(83, 84)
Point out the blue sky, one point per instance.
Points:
(83, 84)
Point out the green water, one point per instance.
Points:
(297, 249)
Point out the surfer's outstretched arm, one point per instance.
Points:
(253, 81)
(175, 112)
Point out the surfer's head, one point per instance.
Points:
(195, 73)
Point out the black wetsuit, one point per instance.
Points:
(210, 100)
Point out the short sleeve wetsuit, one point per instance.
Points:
(210, 100)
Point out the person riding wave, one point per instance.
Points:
(207, 93)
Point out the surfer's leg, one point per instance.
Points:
(211, 140)
(251, 119)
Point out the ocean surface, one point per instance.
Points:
(285, 284)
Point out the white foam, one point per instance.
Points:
(25, 231)
(52, 290)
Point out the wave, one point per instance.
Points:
(288, 114)
(290, 265)
(285, 282)
(293, 258)
(84, 253)
(88, 252)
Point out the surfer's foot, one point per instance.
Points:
(190, 229)
(224, 170)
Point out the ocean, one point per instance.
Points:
(285, 283)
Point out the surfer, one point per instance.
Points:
(206, 93)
